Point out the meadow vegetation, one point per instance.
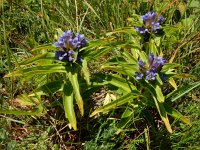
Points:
(99, 74)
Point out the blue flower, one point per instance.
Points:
(142, 30)
(149, 71)
(150, 75)
(160, 19)
(63, 41)
(141, 65)
(149, 17)
(138, 75)
(68, 45)
(64, 56)
(152, 23)
(151, 59)
(159, 63)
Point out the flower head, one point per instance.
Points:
(155, 64)
(68, 44)
(152, 23)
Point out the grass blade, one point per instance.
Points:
(182, 91)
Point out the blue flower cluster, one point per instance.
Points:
(67, 44)
(155, 65)
(152, 23)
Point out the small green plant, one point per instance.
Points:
(68, 62)
(143, 77)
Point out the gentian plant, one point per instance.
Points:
(142, 85)
(141, 74)
(68, 61)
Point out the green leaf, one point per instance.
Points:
(119, 82)
(45, 47)
(194, 4)
(68, 104)
(168, 66)
(32, 71)
(176, 114)
(126, 69)
(143, 56)
(86, 72)
(114, 104)
(184, 75)
(74, 81)
(45, 56)
(152, 47)
(48, 88)
(130, 30)
(126, 117)
(160, 96)
(130, 58)
(97, 53)
(36, 111)
(158, 79)
(163, 114)
(173, 83)
(182, 91)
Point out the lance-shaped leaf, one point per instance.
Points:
(176, 114)
(184, 75)
(45, 56)
(173, 83)
(119, 82)
(126, 69)
(130, 58)
(73, 77)
(45, 47)
(86, 72)
(97, 53)
(36, 111)
(31, 71)
(152, 47)
(182, 91)
(126, 117)
(168, 66)
(68, 104)
(159, 94)
(114, 80)
(116, 103)
(163, 114)
(48, 88)
(129, 30)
